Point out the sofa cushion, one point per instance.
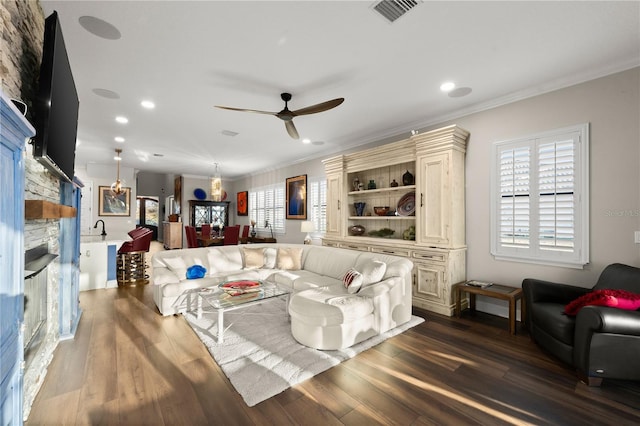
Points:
(324, 306)
(270, 254)
(253, 257)
(178, 266)
(352, 281)
(289, 258)
(330, 262)
(372, 272)
(221, 261)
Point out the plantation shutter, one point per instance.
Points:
(540, 198)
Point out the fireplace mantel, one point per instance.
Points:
(42, 209)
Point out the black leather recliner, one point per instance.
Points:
(600, 342)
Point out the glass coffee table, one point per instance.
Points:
(233, 295)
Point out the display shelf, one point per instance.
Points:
(373, 192)
(382, 217)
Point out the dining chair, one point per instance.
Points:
(231, 235)
(205, 230)
(192, 237)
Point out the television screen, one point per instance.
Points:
(56, 106)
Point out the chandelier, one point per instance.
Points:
(117, 187)
(216, 186)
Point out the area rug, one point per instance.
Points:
(260, 356)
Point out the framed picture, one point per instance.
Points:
(242, 202)
(297, 197)
(113, 205)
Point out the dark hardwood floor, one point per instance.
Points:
(129, 366)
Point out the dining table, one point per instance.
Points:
(210, 240)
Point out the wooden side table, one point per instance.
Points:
(496, 291)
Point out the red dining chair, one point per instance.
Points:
(245, 234)
(231, 235)
(192, 236)
(205, 230)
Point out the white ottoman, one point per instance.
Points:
(330, 318)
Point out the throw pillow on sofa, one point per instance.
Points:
(372, 272)
(352, 281)
(620, 299)
(253, 257)
(178, 266)
(289, 259)
(196, 271)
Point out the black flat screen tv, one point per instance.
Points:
(56, 107)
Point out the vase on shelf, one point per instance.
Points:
(372, 184)
(393, 184)
(359, 208)
(407, 178)
(356, 184)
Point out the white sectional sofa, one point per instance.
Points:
(324, 313)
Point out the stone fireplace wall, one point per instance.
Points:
(22, 26)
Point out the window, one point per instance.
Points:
(317, 204)
(268, 204)
(540, 198)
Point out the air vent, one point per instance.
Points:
(393, 9)
(229, 133)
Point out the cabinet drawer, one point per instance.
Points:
(390, 251)
(352, 246)
(435, 257)
(330, 244)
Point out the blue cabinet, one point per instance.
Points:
(14, 131)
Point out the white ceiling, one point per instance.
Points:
(189, 56)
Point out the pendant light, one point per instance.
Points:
(117, 187)
(216, 186)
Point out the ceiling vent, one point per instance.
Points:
(393, 9)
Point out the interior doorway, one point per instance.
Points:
(147, 213)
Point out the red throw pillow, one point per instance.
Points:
(620, 299)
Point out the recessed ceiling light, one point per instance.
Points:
(119, 139)
(148, 104)
(122, 120)
(306, 140)
(447, 86)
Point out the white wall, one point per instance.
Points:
(612, 107)
(104, 175)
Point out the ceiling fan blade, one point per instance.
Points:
(291, 129)
(324, 106)
(247, 110)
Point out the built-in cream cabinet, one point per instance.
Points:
(433, 236)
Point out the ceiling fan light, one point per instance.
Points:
(216, 186)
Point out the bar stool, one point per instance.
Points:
(131, 264)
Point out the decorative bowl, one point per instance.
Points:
(356, 230)
(381, 211)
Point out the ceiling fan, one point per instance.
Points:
(287, 116)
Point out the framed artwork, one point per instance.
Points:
(297, 197)
(242, 203)
(113, 205)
